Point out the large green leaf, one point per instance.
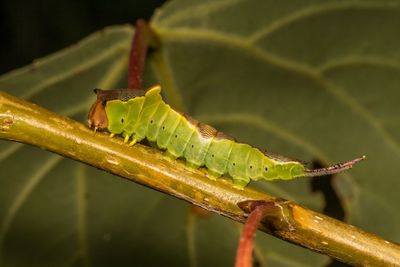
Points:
(310, 79)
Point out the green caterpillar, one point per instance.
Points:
(138, 114)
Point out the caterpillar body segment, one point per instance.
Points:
(145, 115)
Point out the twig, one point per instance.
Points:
(142, 40)
(244, 254)
(28, 123)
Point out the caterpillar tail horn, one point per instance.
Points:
(334, 168)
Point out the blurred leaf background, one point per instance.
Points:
(316, 80)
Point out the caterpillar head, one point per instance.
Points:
(97, 117)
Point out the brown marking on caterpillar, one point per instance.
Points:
(191, 120)
(221, 135)
(120, 94)
(280, 158)
(206, 130)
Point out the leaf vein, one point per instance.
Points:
(24, 193)
(198, 11)
(161, 67)
(73, 71)
(284, 63)
(352, 61)
(81, 207)
(310, 11)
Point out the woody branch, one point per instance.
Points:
(28, 123)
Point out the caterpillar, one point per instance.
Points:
(138, 114)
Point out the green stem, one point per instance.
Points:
(28, 123)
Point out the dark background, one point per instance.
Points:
(33, 29)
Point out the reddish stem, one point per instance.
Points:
(244, 254)
(141, 41)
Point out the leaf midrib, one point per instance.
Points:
(209, 8)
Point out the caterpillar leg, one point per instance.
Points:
(170, 155)
(126, 138)
(240, 182)
(192, 165)
(213, 175)
(134, 140)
